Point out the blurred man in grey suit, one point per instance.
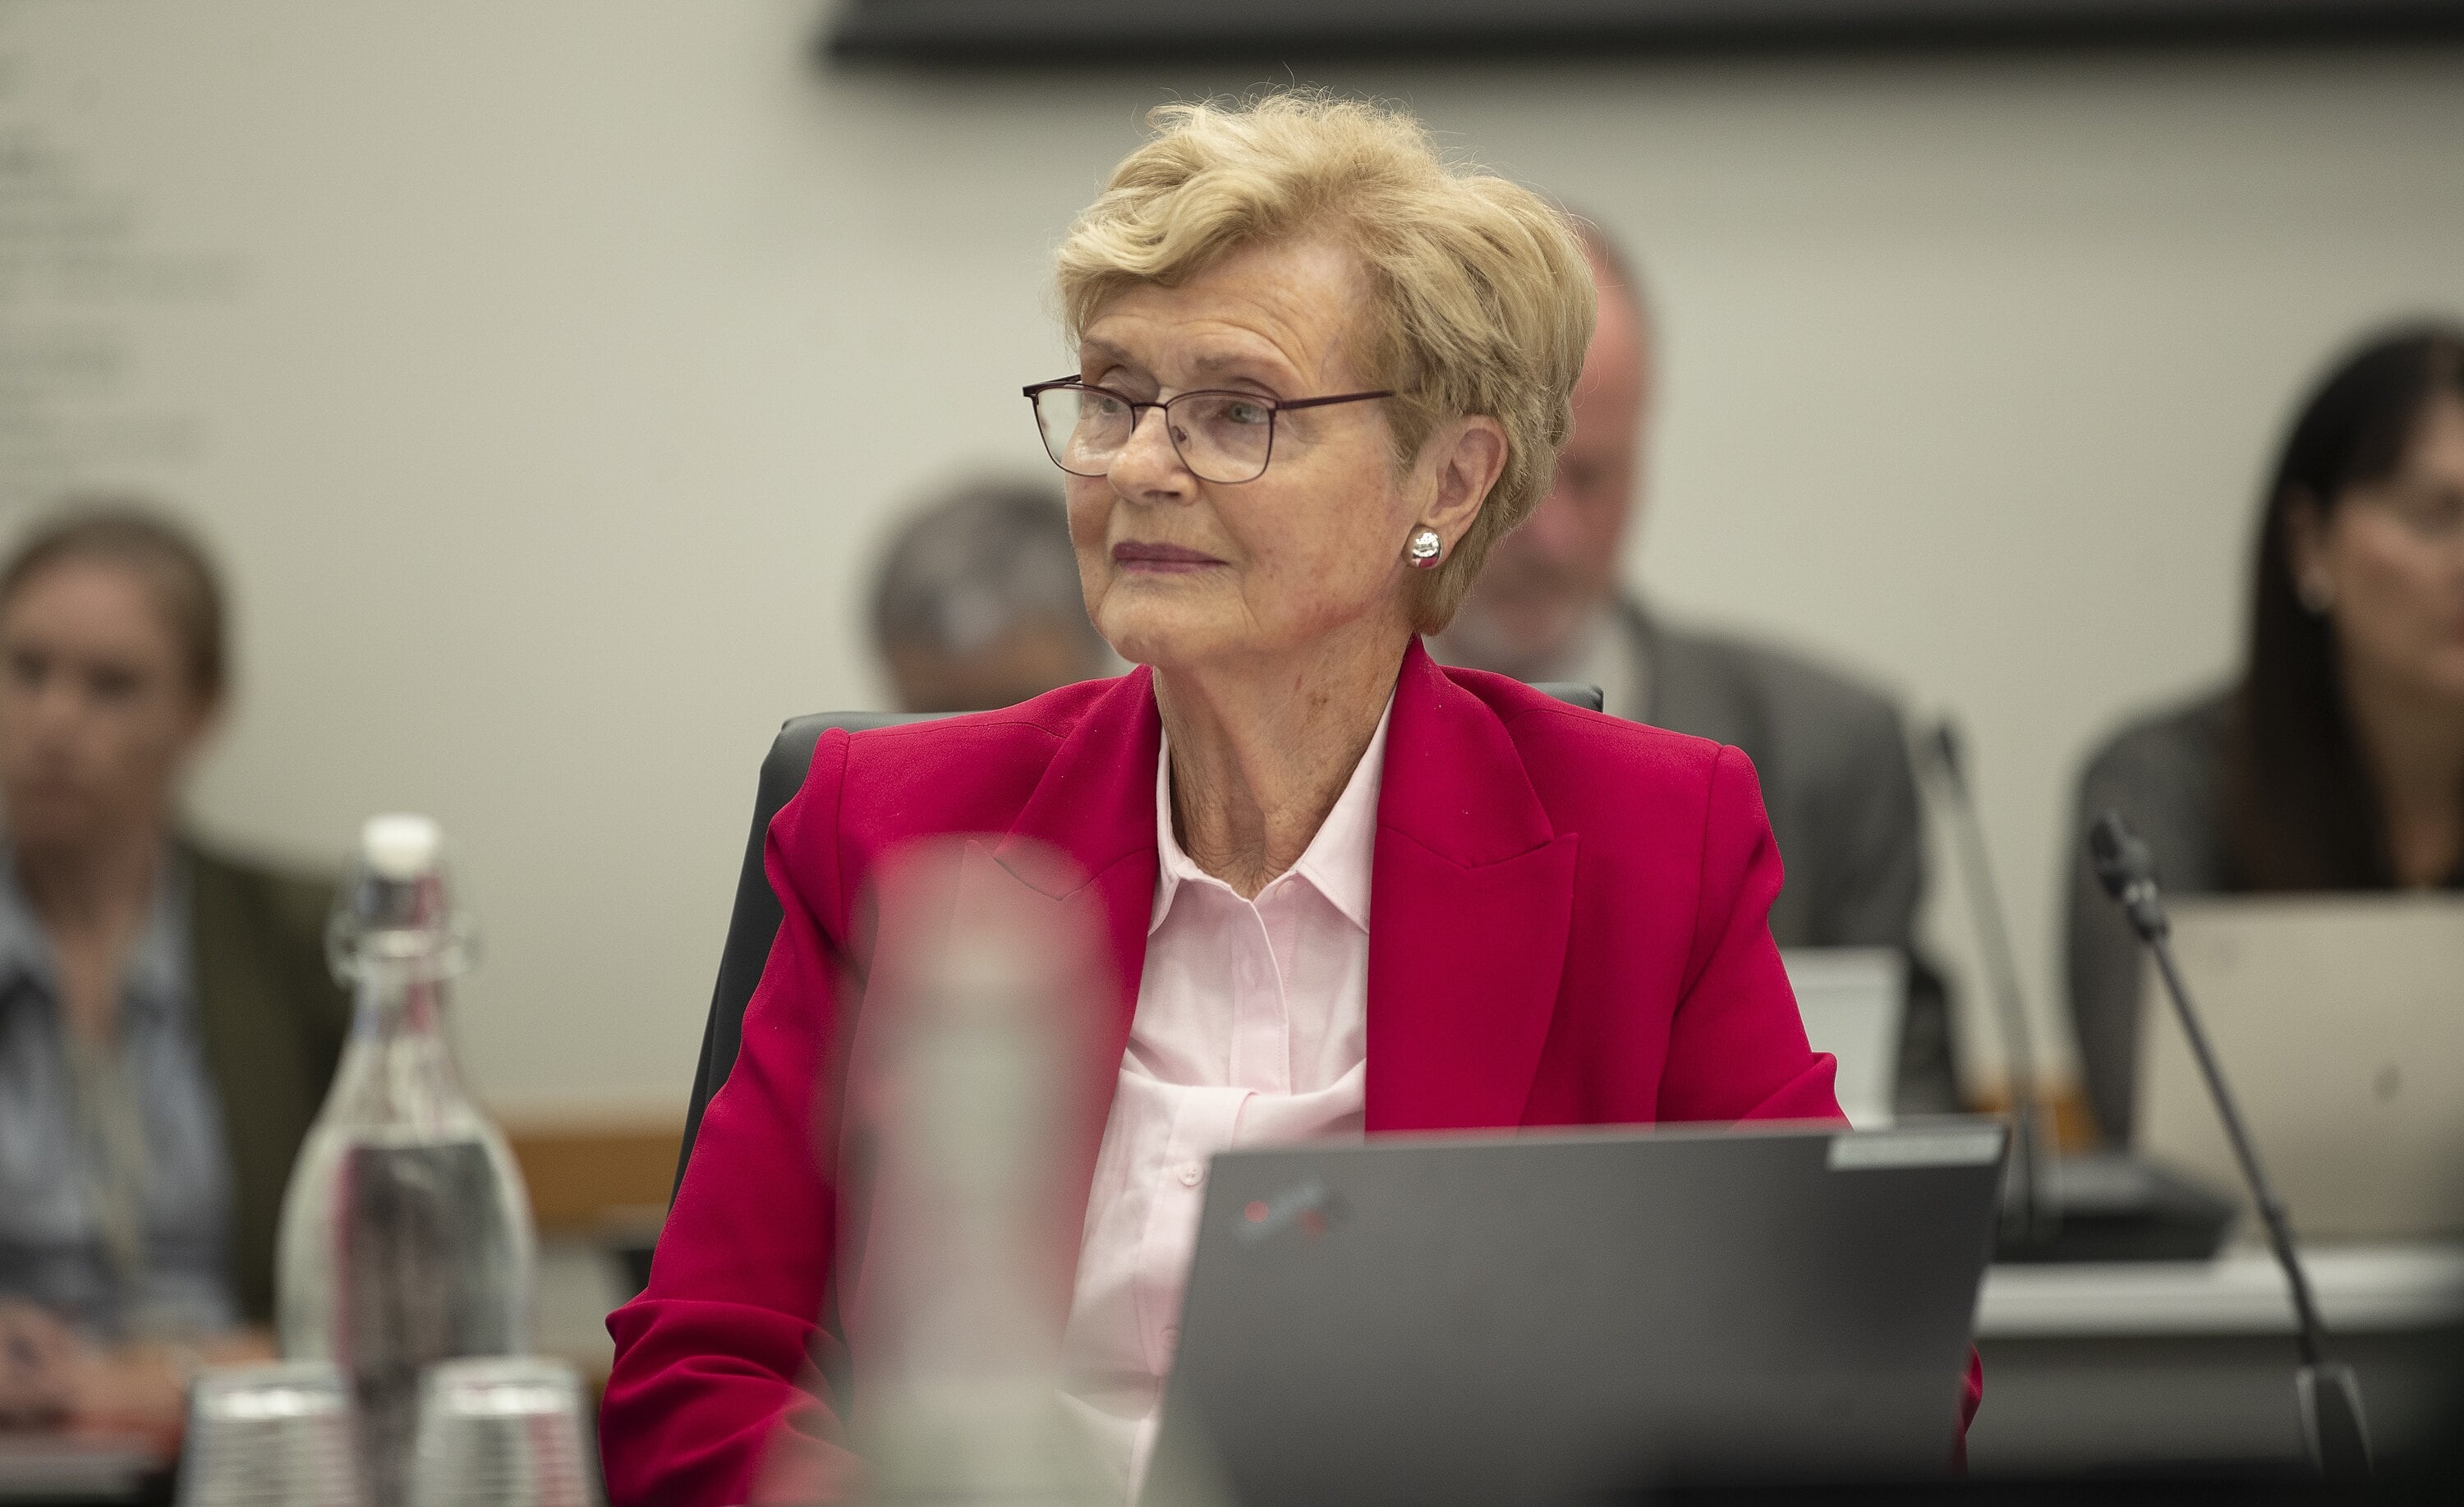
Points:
(1832, 759)
(976, 603)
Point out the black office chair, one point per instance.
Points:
(754, 923)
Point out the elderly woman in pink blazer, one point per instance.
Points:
(1345, 890)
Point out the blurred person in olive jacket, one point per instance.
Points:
(167, 1020)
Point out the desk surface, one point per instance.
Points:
(46, 1467)
(2360, 1289)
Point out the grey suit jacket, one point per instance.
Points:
(2164, 774)
(1832, 759)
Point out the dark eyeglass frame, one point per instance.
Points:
(1276, 407)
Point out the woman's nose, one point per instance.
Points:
(1149, 469)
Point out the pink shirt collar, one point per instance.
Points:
(1336, 863)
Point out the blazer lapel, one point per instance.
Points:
(1093, 810)
(1470, 901)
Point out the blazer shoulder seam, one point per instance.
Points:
(838, 826)
(944, 725)
(1702, 860)
(1616, 728)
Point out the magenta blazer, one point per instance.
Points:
(1565, 928)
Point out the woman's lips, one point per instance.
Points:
(1161, 560)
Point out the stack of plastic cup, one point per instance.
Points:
(270, 1436)
(502, 1432)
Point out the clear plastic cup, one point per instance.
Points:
(503, 1431)
(269, 1436)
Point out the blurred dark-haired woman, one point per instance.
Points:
(2337, 762)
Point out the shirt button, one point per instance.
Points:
(1191, 1175)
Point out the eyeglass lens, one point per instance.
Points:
(1221, 436)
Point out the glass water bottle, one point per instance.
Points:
(406, 1231)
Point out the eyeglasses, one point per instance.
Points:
(1223, 437)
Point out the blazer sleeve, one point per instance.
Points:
(714, 1396)
(1737, 1047)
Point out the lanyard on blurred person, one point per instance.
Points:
(116, 1163)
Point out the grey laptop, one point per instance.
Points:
(1544, 1317)
(2337, 1021)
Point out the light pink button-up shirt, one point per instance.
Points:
(1251, 1030)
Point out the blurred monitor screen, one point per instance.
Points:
(2340, 1024)
(1852, 999)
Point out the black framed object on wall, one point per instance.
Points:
(1045, 32)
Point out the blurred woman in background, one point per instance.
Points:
(167, 1022)
(2337, 763)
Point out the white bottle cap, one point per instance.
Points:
(401, 848)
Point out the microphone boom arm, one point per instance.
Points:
(2032, 1215)
(2331, 1398)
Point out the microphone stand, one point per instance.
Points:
(2332, 1425)
(2030, 1210)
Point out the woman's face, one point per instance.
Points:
(1178, 571)
(98, 715)
(2389, 561)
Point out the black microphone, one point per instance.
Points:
(2030, 1213)
(2330, 1395)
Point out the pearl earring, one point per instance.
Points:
(1424, 549)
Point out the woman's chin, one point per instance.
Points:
(1162, 639)
(1152, 651)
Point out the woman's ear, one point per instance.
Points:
(203, 724)
(1468, 455)
(2305, 549)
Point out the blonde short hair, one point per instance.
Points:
(1480, 295)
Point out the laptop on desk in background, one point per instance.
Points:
(1544, 1317)
(2339, 1021)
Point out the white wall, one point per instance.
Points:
(548, 372)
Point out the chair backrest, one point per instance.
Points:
(753, 925)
